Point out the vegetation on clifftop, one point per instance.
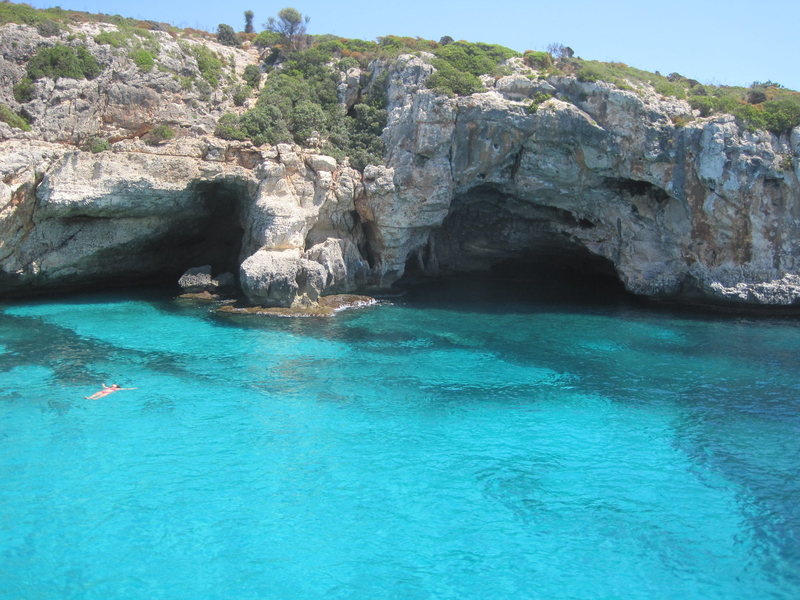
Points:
(301, 99)
(27, 15)
(458, 65)
(299, 103)
(764, 105)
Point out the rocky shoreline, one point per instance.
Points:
(677, 206)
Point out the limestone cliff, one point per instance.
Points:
(698, 210)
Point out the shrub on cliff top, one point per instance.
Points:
(477, 59)
(300, 101)
(63, 61)
(22, 13)
(450, 81)
(538, 60)
(762, 106)
(265, 39)
(779, 115)
(458, 65)
(226, 35)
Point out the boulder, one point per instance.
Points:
(281, 278)
(197, 279)
(345, 268)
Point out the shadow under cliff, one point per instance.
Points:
(207, 232)
(573, 280)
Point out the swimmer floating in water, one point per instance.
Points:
(107, 389)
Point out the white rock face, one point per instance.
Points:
(678, 211)
(124, 101)
(707, 211)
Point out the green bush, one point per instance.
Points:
(229, 128)
(115, 39)
(347, 63)
(705, 104)
(589, 73)
(265, 39)
(226, 35)
(301, 99)
(669, 88)
(97, 144)
(778, 115)
(240, 94)
(756, 96)
(158, 134)
(452, 82)
(48, 28)
(393, 45)
(252, 76)
(23, 90)
(63, 61)
(9, 116)
(209, 64)
(129, 37)
(476, 59)
(541, 61)
(458, 65)
(143, 59)
(538, 98)
(307, 119)
(782, 114)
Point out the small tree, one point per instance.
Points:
(248, 22)
(291, 26)
(557, 50)
(226, 35)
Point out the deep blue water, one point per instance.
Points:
(457, 443)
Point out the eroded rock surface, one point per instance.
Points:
(703, 211)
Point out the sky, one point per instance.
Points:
(729, 42)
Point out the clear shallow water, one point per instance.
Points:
(456, 444)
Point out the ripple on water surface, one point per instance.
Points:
(421, 450)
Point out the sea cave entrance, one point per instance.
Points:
(207, 232)
(217, 235)
(507, 246)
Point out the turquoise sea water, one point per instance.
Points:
(456, 443)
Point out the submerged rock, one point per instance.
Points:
(327, 306)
